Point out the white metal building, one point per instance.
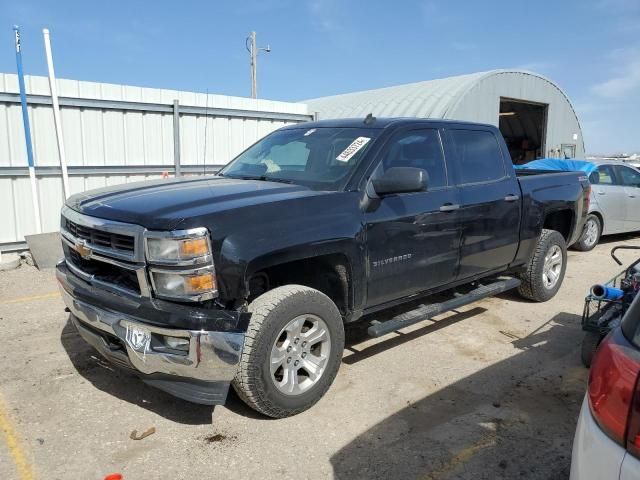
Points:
(117, 134)
(533, 113)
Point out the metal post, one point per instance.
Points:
(56, 112)
(253, 51)
(176, 137)
(27, 131)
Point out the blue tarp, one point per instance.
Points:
(559, 164)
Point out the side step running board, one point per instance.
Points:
(425, 312)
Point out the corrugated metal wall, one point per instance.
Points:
(117, 134)
(481, 104)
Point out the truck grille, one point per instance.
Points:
(105, 253)
(115, 241)
(105, 272)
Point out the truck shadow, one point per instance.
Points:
(125, 386)
(356, 334)
(618, 237)
(513, 419)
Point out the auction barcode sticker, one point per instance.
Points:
(352, 149)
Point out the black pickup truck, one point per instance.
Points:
(248, 278)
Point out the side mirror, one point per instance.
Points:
(401, 180)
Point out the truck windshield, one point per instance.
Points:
(320, 158)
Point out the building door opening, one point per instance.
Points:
(524, 127)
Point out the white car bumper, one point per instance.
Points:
(595, 456)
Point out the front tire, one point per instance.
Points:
(292, 351)
(546, 268)
(590, 234)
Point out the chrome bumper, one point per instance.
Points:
(212, 357)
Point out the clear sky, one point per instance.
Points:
(591, 48)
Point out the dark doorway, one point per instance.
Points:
(523, 125)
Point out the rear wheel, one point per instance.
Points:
(546, 268)
(590, 234)
(292, 351)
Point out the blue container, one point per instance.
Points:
(602, 292)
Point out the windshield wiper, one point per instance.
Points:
(262, 178)
(275, 179)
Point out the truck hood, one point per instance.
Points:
(164, 204)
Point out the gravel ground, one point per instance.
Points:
(490, 391)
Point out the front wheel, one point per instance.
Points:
(292, 351)
(546, 268)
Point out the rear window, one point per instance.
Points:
(629, 177)
(479, 157)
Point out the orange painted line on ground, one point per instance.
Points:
(30, 298)
(25, 472)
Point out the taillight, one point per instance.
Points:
(633, 433)
(587, 196)
(613, 393)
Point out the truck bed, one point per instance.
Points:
(532, 172)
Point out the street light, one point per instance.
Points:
(253, 50)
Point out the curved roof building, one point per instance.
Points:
(534, 114)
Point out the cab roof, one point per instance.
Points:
(376, 123)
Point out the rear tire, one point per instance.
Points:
(282, 319)
(590, 234)
(546, 268)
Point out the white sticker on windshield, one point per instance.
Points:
(352, 149)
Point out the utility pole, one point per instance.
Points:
(253, 50)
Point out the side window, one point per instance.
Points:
(629, 177)
(602, 176)
(419, 149)
(479, 156)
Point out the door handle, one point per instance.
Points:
(632, 196)
(511, 198)
(449, 207)
(601, 193)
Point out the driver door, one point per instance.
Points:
(413, 239)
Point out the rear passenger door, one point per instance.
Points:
(610, 198)
(630, 179)
(490, 201)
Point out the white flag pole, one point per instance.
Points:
(56, 112)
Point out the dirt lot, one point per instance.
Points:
(491, 391)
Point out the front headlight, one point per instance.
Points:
(190, 285)
(181, 264)
(181, 247)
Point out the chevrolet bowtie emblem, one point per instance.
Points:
(82, 249)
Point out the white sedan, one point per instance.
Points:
(607, 441)
(614, 202)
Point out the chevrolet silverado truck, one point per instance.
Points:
(248, 278)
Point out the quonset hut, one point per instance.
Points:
(534, 115)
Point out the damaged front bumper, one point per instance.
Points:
(194, 364)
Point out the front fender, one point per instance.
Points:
(307, 228)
